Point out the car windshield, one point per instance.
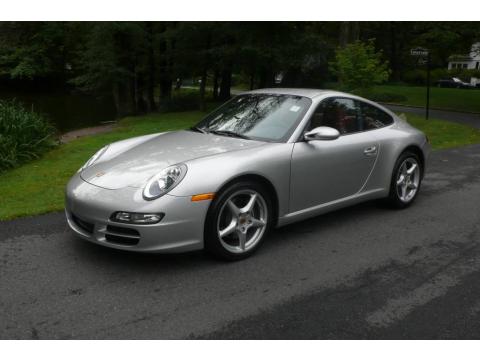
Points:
(257, 116)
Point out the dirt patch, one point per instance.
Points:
(75, 134)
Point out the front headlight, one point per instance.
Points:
(164, 181)
(94, 158)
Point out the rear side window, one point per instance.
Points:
(339, 113)
(373, 117)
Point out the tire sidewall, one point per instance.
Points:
(211, 238)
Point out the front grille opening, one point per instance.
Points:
(85, 226)
(122, 235)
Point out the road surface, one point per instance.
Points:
(471, 119)
(362, 272)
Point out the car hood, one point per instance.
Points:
(134, 164)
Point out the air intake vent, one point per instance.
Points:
(122, 235)
(85, 226)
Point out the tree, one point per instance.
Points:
(33, 49)
(111, 61)
(358, 66)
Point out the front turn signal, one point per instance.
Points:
(201, 197)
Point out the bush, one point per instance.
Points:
(419, 76)
(415, 77)
(184, 100)
(376, 95)
(24, 135)
(358, 66)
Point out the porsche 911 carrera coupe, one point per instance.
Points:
(264, 159)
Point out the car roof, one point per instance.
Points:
(309, 93)
(313, 93)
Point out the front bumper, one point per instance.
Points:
(88, 209)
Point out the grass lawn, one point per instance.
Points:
(443, 134)
(38, 187)
(440, 98)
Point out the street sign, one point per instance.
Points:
(418, 51)
(424, 59)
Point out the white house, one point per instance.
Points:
(470, 61)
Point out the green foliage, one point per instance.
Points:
(32, 49)
(380, 96)
(419, 76)
(416, 76)
(359, 66)
(24, 135)
(38, 187)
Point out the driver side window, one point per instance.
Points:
(338, 113)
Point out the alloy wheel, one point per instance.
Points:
(242, 221)
(408, 179)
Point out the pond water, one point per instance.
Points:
(67, 111)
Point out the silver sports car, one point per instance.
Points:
(264, 159)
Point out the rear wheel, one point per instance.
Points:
(238, 220)
(406, 180)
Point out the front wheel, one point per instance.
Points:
(406, 180)
(238, 220)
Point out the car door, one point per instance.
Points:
(323, 171)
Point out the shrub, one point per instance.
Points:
(358, 66)
(24, 135)
(184, 100)
(379, 96)
(415, 77)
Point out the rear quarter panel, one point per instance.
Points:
(393, 140)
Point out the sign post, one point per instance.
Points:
(424, 54)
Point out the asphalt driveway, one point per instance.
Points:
(471, 119)
(362, 272)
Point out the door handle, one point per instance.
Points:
(369, 151)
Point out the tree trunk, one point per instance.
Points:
(215, 84)
(349, 32)
(203, 84)
(252, 80)
(226, 83)
(151, 72)
(265, 78)
(116, 100)
(164, 74)
(130, 97)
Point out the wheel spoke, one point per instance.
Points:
(233, 208)
(250, 204)
(412, 169)
(404, 192)
(258, 223)
(412, 186)
(242, 239)
(400, 179)
(229, 229)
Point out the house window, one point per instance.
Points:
(465, 66)
(477, 65)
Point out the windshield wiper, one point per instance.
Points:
(197, 129)
(229, 133)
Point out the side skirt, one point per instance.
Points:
(331, 206)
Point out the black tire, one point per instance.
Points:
(393, 198)
(213, 244)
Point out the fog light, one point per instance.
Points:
(136, 218)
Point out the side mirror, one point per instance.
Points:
(322, 133)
